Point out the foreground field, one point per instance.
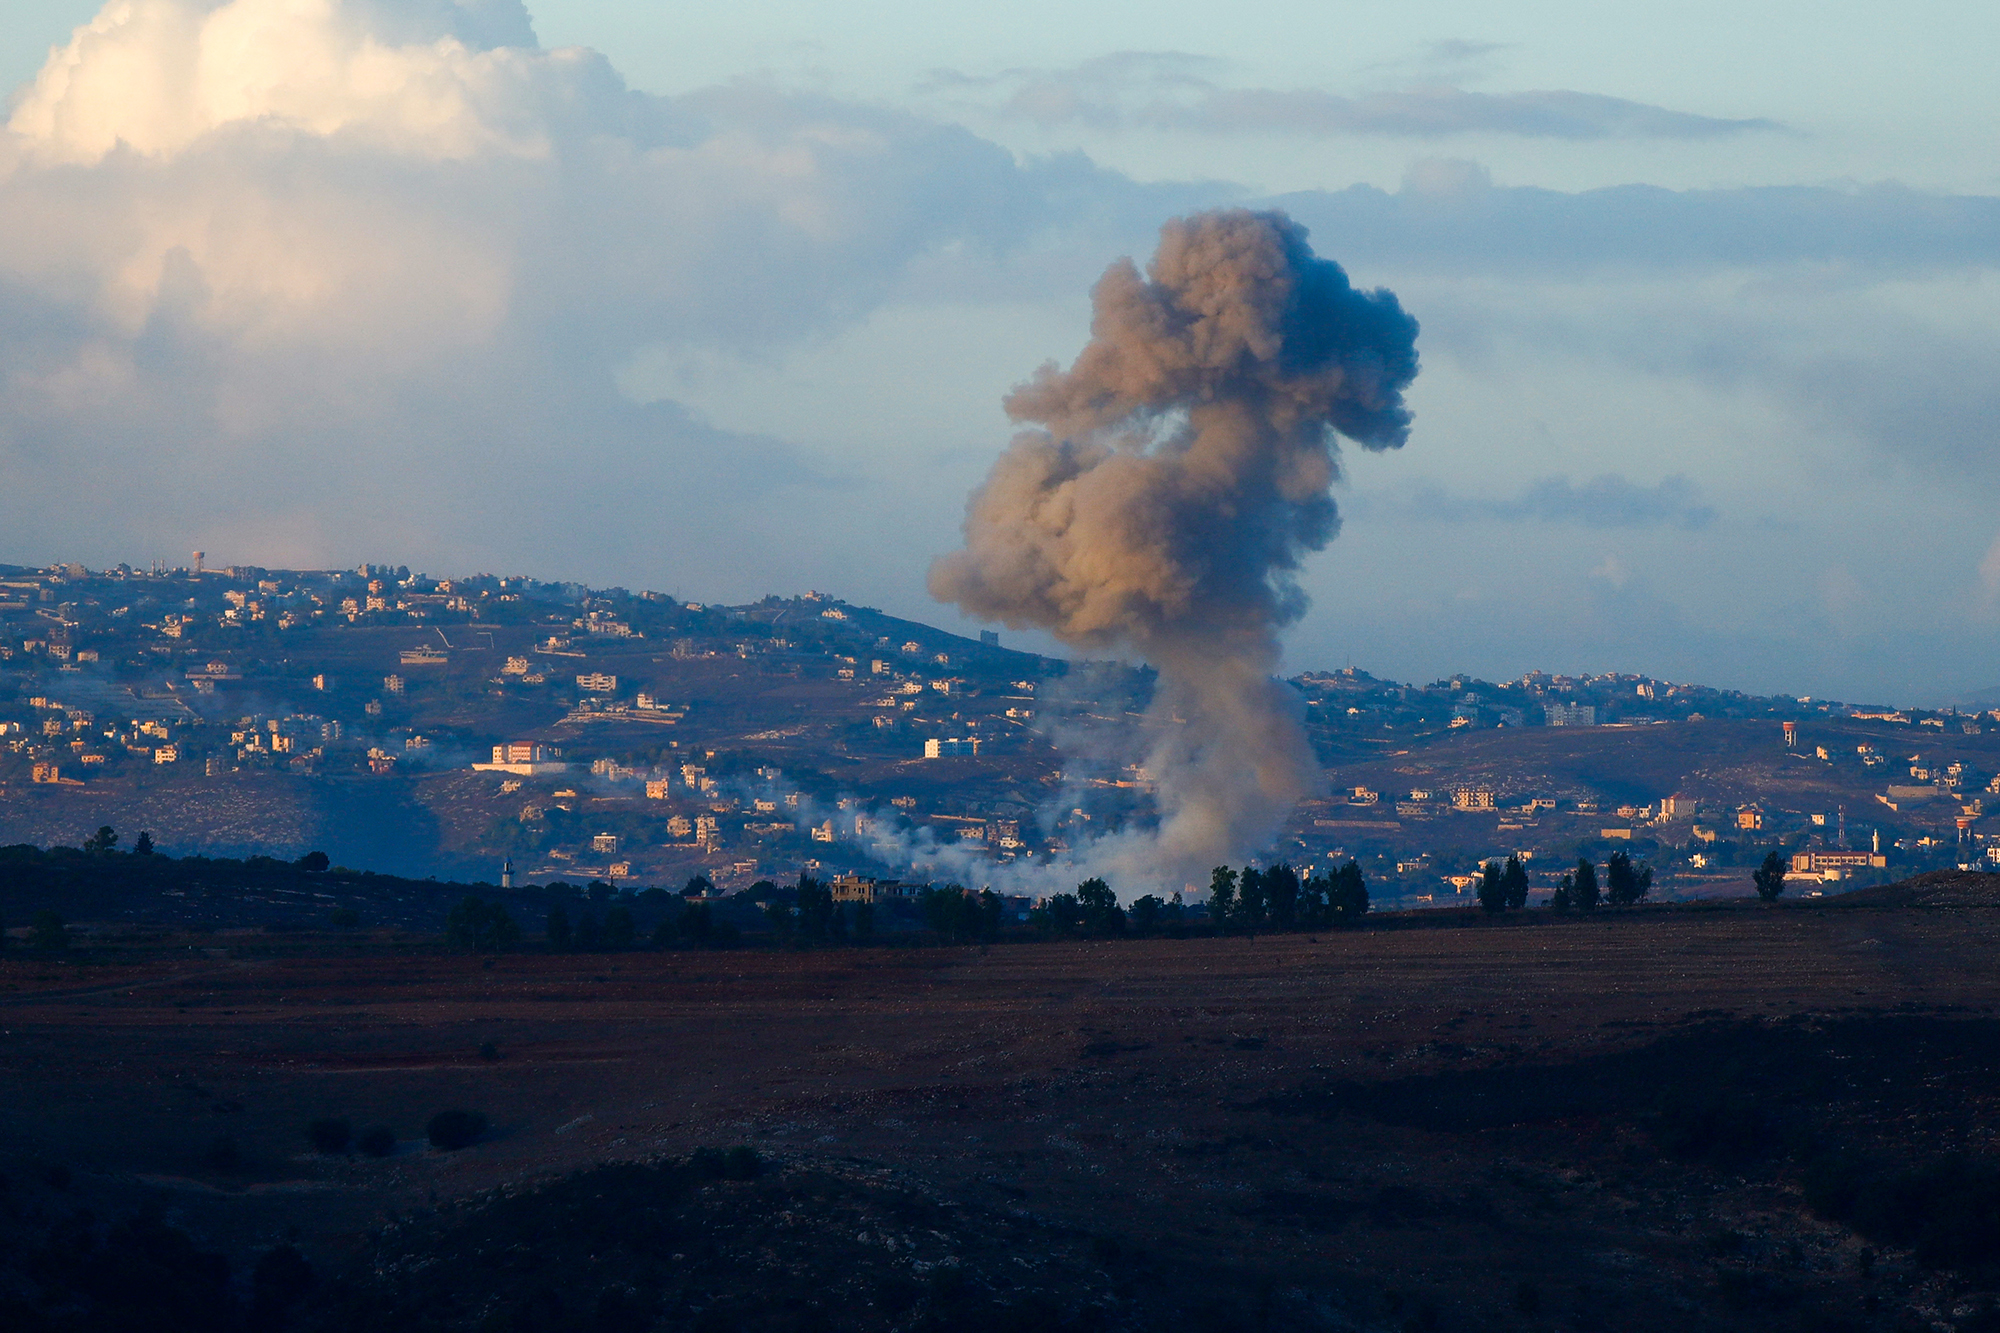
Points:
(1652, 1120)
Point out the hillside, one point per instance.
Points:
(261, 712)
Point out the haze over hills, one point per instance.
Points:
(645, 739)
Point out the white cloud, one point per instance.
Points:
(271, 257)
(1172, 91)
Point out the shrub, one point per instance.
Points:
(331, 1135)
(48, 932)
(280, 1278)
(377, 1141)
(449, 1131)
(344, 917)
(1947, 1211)
(739, 1163)
(222, 1154)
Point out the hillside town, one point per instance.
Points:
(460, 725)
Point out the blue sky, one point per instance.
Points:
(1711, 359)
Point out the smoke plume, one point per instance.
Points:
(1169, 485)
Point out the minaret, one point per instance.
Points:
(1843, 828)
(507, 873)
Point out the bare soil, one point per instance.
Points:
(1634, 1120)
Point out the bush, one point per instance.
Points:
(331, 1135)
(449, 1131)
(346, 918)
(377, 1141)
(280, 1278)
(48, 932)
(739, 1163)
(222, 1154)
(1947, 1211)
(742, 1163)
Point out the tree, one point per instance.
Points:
(1348, 901)
(1515, 880)
(1583, 894)
(48, 933)
(620, 930)
(143, 846)
(1221, 895)
(1101, 913)
(1492, 887)
(1250, 898)
(958, 914)
(313, 863)
(815, 906)
(1625, 884)
(1281, 896)
(1770, 877)
(1559, 900)
(698, 886)
(1146, 914)
(696, 926)
(476, 925)
(560, 935)
(864, 922)
(1058, 913)
(1312, 910)
(101, 841)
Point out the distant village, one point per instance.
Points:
(550, 730)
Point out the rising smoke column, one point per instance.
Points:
(1170, 484)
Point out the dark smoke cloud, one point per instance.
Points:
(1172, 481)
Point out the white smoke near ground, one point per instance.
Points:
(1170, 484)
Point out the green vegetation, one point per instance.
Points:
(1770, 876)
(478, 926)
(449, 1131)
(331, 1135)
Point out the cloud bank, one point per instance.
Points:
(337, 274)
(1171, 92)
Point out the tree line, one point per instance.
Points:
(1246, 900)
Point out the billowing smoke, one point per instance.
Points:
(1170, 484)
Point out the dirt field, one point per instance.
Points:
(1536, 1123)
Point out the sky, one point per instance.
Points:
(724, 300)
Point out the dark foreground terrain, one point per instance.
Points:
(1769, 1118)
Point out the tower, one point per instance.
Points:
(507, 873)
(1843, 828)
(199, 556)
(1876, 846)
